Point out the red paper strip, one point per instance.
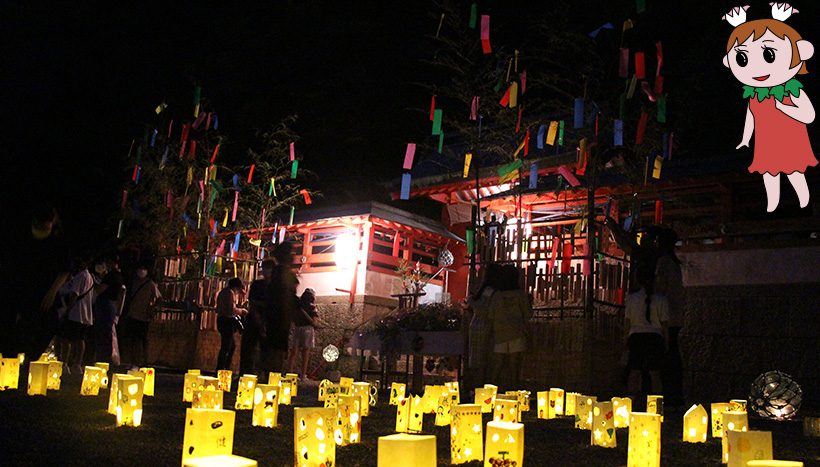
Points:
(433, 108)
(554, 254)
(208, 122)
(202, 190)
(523, 77)
(658, 211)
(124, 198)
(623, 66)
(474, 108)
(568, 176)
(506, 99)
(169, 199)
(518, 125)
(527, 144)
(306, 195)
(215, 152)
(587, 264)
(136, 171)
(185, 128)
(641, 128)
(408, 156)
(182, 150)
(566, 258)
(640, 71)
(658, 85)
(250, 175)
(660, 57)
(292, 151)
(192, 150)
(170, 125)
(485, 34)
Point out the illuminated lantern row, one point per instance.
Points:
(583, 411)
(717, 418)
(466, 437)
(622, 407)
(397, 391)
(504, 445)
(409, 415)
(654, 404)
(55, 374)
(37, 378)
(403, 450)
(569, 405)
(91, 381)
(207, 399)
(506, 410)
(486, 398)
(313, 442)
(603, 425)
(148, 381)
(743, 446)
(222, 460)
(362, 391)
(644, 440)
(9, 373)
(732, 421)
(190, 384)
(224, 377)
(244, 392)
(523, 399)
(695, 424)
(129, 400)
(208, 432)
(348, 420)
(265, 405)
(104, 378)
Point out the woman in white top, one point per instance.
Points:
(645, 321)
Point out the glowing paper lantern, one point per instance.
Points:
(207, 383)
(409, 415)
(506, 410)
(224, 377)
(313, 442)
(486, 398)
(104, 378)
(222, 460)
(348, 420)
(113, 397)
(265, 405)
(430, 398)
(583, 411)
(466, 438)
(148, 381)
(332, 393)
(737, 405)
(285, 391)
(505, 444)
(9, 373)
(695, 424)
(330, 353)
(444, 406)
(452, 389)
(745, 446)
(557, 401)
(208, 432)
(396, 392)
(323, 389)
(362, 391)
(345, 385)
(622, 407)
(91, 381)
(644, 440)
(732, 421)
(208, 399)
(542, 402)
(403, 450)
(717, 418)
(129, 400)
(274, 378)
(294, 383)
(190, 384)
(244, 392)
(569, 404)
(654, 404)
(55, 374)
(603, 425)
(37, 378)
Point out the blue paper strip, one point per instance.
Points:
(236, 242)
(188, 220)
(541, 132)
(619, 133)
(608, 208)
(405, 186)
(593, 114)
(164, 158)
(236, 182)
(480, 119)
(137, 178)
(579, 112)
(153, 138)
(533, 176)
(216, 122)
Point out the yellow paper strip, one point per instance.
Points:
(551, 134)
(656, 172)
(513, 94)
(510, 176)
(467, 159)
(225, 220)
(520, 147)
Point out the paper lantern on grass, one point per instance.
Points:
(403, 450)
(506, 410)
(504, 444)
(452, 389)
(208, 432)
(113, 397)
(205, 399)
(105, 368)
(332, 393)
(445, 404)
(9, 373)
(569, 403)
(362, 391)
(313, 436)
(557, 401)
(732, 421)
(190, 384)
(55, 374)
(345, 385)
(396, 392)
(91, 381)
(745, 446)
(644, 440)
(717, 418)
(224, 377)
(207, 383)
(409, 415)
(603, 425)
(244, 392)
(285, 391)
(542, 402)
(222, 460)
(654, 404)
(429, 400)
(695, 424)
(37, 378)
(583, 411)
(774, 463)
(466, 438)
(622, 407)
(348, 420)
(265, 405)
(486, 398)
(148, 381)
(129, 400)
(294, 383)
(139, 374)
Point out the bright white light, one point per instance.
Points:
(347, 250)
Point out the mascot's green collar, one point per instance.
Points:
(792, 87)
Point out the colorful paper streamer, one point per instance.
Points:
(533, 176)
(409, 154)
(473, 15)
(485, 34)
(306, 195)
(640, 70)
(568, 176)
(437, 116)
(662, 110)
(467, 159)
(579, 113)
(250, 174)
(405, 186)
(623, 63)
(641, 128)
(619, 133)
(294, 168)
(553, 131)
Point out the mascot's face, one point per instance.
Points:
(762, 63)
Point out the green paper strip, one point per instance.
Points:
(437, 114)
(197, 93)
(292, 210)
(216, 185)
(139, 155)
(293, 168)
(622, 112)
(499, 84)
(470, 241)
(441, 142)
(119, 230)
(213, 196)
(662, 110)
(561, 133)
(505, 169)
(632, 85)
(473, 15)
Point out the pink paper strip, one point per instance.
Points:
(199, 120)
(208, 122)
(568, 176)
(658, 85)
(169, 199)
(523, 76)
(485, 33)
(235, 206)
(660, 57)
(202, 190)
(170, 125)
(408, 156)
(221, 248)
(182, 150)
(474, 108)
(292, 151)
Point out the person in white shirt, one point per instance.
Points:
(645, 323)
(79, 318)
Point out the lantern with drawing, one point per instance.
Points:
(348, 420)
(603, 425)
(506, 408)
(745, 446)
(244, 392)
(583, 411)
(409, 415)
(190, 384)
(313, 441)
(429, 400)
(362, 391)
(9, 373)
(732, 421)
(466, 438)
(208, 432)
(396, 392)
(403, 450)
(129, 400)
(113, 396)
(205, 399)
(91, 381)
(148, 381)
(55, 374)
(622, 407)
(224, 377)
(345, 385)
(332, 393)
(644, 440)
(104, 366)
(504, 444)
(445, 403)
(452, 389)
(486, 398)
(37, 378)
(569, 404)
(717, 418)
(557, 401)
(294, 383)
(207, 383)
(265, 405)
(695, 424)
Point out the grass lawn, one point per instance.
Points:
(67, 429)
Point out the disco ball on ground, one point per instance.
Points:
(775, 395)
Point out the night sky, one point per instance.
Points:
(80, 81)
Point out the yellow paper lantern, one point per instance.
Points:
(654, 404)
(466, 438)
(348, 420)
(194, 371)
(486, 398)
(207, 383)
(695, 424)
(190, 384)
(104, 378)
(429, 400)
(443, 411)
(224, 377)
(362, 391)
(244, 392)
(603, 425)
(452, 389)
(569, 403)
(274, 378)
(745, 446)
(397, 391)
(91, 381)
(644, 440)
(313, 436)
(208, 399)
(113, 397)
(504, 444)
(622, 407)
(9, 373)
(737, 405)
(583, 411)
(129, 400)
(409, 415)
(55, 374)
(557, 401)
(732, 421)
(332, 393)
(294, 383)
(148, 380)
(345, 385)
(222, 460)
(208, 432)
(323, 389)
(774, 463)
(285, 391)
(37, 378)
(265, 405)
(717, 418)
(403, 450)
(542, 403)
(506, 410)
